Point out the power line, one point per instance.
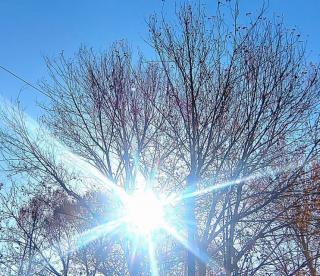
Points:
(21, 79)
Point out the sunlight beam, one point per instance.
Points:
(152, 257)
(177, 198)
(190, 247)
(98, 232)
(44, 140)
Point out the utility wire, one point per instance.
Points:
(21, 79)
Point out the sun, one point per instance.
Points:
(143, 218)
(144, 212)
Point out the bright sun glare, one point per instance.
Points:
(144, 212)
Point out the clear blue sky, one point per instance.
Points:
(31, 29)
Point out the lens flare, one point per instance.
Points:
(144, 212)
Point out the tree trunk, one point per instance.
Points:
(192, 228)
(311, 267)
(202, 269)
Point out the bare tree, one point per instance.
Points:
(240, 100)
(227, 118)
(101, 107)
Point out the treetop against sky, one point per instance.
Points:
(31, 30)
(199, 157)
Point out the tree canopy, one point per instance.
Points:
(221, 130)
